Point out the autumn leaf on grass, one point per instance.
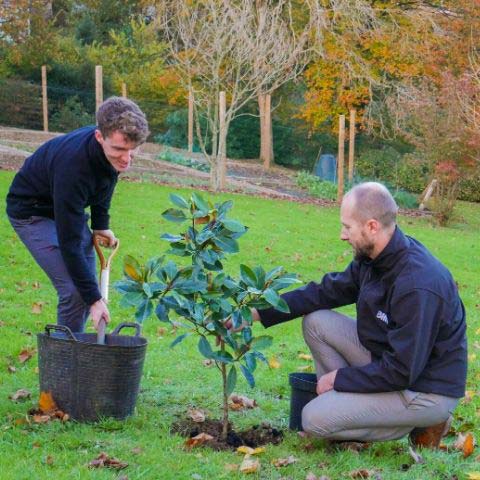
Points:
(304, 356)
(473, 476)
(305, 368)
(47, 410)
(199, 439)
(26, 354)
(196, 415)
(46, 403)
(465, 443)
(36, 285)
(241, 401)
(231, 467)
(283, 462)
(274, 363)
(104, 461)
(249, 450)
(361, 473)
(37, 307)
(249, 465)
(11, 369)
(469, 394)
(21, 394)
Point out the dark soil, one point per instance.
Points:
(255, 436)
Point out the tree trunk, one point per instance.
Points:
(266, 144)
(225, 399)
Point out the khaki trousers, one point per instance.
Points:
(334, 343)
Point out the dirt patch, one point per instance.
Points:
(255, 436)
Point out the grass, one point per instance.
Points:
(303, 238)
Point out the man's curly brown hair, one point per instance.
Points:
(118, 114)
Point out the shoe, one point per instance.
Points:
(429, 437)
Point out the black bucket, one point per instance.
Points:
(89, 380)
(303, 391)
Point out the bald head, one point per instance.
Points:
(372, 200)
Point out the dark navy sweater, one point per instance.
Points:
(409, 316)
(63, 177)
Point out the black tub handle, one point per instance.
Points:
(59, 328)
(134, 325)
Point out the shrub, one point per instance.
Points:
(216, 305)
(71, 116)
(316, 187)
(169, 156)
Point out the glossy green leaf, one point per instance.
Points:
(248, 275)
(179, 339)
(178, 200)
(233, 226)
(231, 380)
(248, 375)
(205, 348)
(144, 311)
(261, 342)
(174, 215)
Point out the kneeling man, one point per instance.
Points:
(400, 367)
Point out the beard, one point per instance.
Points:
(363, 252)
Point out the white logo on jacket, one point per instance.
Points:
(382, 316)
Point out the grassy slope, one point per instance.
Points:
(304, 239)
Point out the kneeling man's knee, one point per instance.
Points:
(315, 420)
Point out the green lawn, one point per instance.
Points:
(303, 238)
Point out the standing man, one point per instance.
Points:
(400, 367)
(48, 196)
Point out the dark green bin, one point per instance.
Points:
(303, 387)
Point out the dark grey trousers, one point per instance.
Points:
(39, 234)
(334, 343)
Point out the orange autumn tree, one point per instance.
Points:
(371, 48)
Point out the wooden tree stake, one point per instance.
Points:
(190, 120)
(222, 143)
(44, 98)
(341, 157)
(124, 90)
(351, 146)
(98, 86)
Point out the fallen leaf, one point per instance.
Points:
(361, 473)
(274, 363)
(46, 403)
(11, 369)
(26, 354)
(2, 323)
(283, 462)
(161, 331)
(473, 476)
(199, 439)
(244, 449)
(241, 401)
(37, 307)
(469, 394)
(304, 356)
(417, 458)
(38, 418)
(305, 368)
(196, 415)
(21, 394)
(231, 467)
(35, 285)
(137, 450)
(465, 443)
(49, 460)
(208, 362)
(249, 465)
(104, 461)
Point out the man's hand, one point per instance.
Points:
(99, 311)
(109, 239)
(325, 382)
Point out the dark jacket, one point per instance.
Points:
(409, 316)
(63, 177)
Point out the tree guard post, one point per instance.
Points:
(222, 144)
(124, 90)
(341, 157)
(190, 120)
(98, 86)
(351, 145)
(44, 98)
